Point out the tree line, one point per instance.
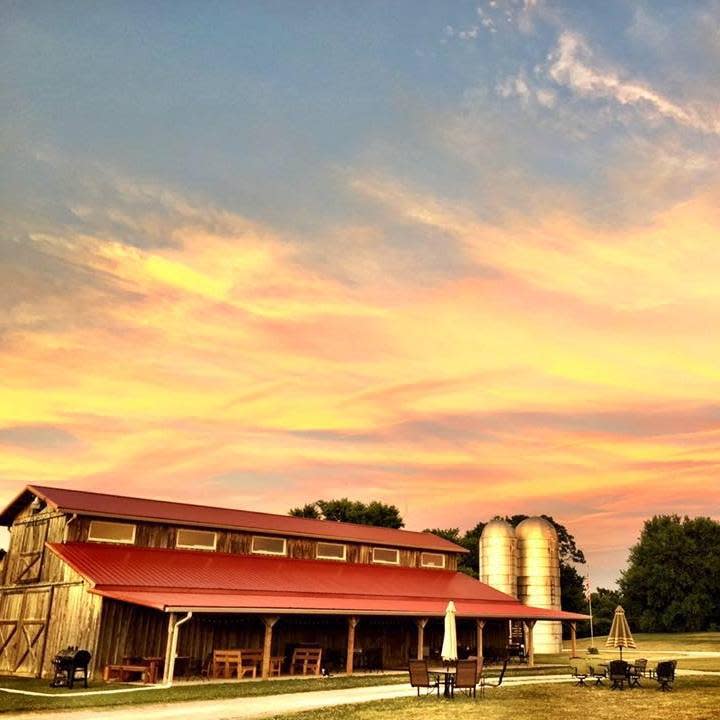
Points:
(671, 582)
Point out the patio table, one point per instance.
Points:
(447, 673)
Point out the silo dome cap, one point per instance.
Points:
(498, 529)
(536, 527)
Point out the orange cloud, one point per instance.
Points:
(567, 368)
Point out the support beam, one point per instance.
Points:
(529, 625)
(479, 626)
(352, 623)
(421, 623)
(573, 638)
(269, 622)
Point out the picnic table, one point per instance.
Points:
(147, 667)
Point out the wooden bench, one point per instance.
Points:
(148, 671)
(226, 663)
(276, 664)
(307, 660)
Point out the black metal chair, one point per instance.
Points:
(665, 674)
(618, 674)
(420, 678)
(597, 673)
(637, 671)
(373, 658)
(485, 684)
(580, 671)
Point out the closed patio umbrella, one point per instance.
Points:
(449, 650)
(620, 635)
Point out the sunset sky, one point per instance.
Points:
(461, 258)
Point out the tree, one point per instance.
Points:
(604, 602)
(467, 564)
(309, 510)
(672, 582)
(353, 511)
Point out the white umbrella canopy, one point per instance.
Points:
(449, 652)
(620, 635)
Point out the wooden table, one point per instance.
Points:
(148, 668)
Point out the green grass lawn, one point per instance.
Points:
(685, 642)
(654, 646)
(203, 691)
(179, 693)
(670, 645)
(692, 699)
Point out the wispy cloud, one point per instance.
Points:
(571, 64)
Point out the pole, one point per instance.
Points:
(352, 623)
(269, 623)
(592, 634)
(421, 623)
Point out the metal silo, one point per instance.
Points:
(498, 557)
(538, 581)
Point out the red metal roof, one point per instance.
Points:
(170, 579)
(117, 506)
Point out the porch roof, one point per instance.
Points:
(171, 579)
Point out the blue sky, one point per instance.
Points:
(297, 249)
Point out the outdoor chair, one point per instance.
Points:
(420, 677)
(665, 674)
(618, 674)
(306, 661)
(466, 677)
(598, 673)
(484, 683)
(637, 671)
(373, 659)
(580, 671)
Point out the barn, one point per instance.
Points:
(126, 577)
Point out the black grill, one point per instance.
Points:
(68, 663)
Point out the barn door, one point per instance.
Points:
(29, 550)
(23, 624)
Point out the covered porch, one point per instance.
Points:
(193, 644)
(179, 606)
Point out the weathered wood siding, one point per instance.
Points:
(128, 630)
(28, 561)
(74, 620)
(164, 536)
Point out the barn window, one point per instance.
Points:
(111, 532)
(269, 545)
(196, 539)
(432, 560)
(331, 551)
(386, 556)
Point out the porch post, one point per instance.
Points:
(573, 638)
(169, 647)
(352, 622)
(421, 623)
(479, 627)
(529, 625)
(269, 621)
